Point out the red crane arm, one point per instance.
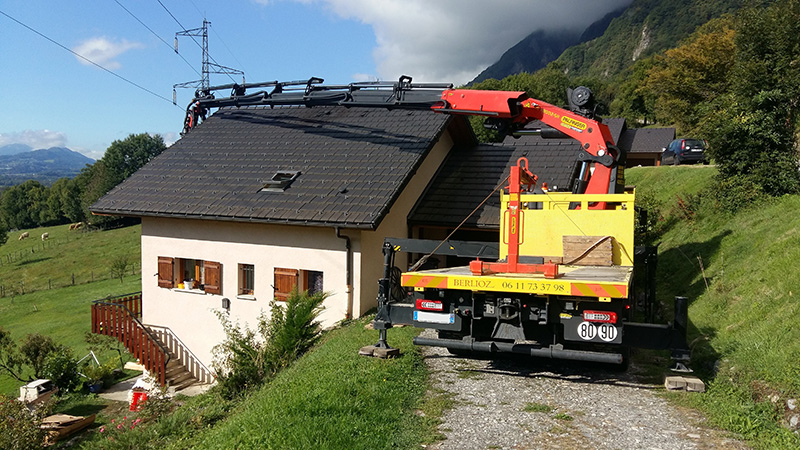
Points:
(594, 136)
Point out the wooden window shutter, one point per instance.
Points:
(166, 273)
(212, 277)
(285, 281)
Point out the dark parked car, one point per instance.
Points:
(685, 151)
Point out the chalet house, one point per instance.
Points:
(257, 201)
(645, 145)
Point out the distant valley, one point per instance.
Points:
(20, 162)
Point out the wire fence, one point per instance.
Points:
(37, 253)
(22, 287)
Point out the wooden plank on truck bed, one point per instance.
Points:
(599, 255)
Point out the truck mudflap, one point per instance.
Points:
(555, 351)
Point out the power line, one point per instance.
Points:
(156, 35)
(228, 48)
(189, 34)
(88, 60)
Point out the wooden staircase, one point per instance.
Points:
(157, 348)
(178, 376)
(184, 368)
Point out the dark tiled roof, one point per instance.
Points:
(616, 126)
(471, 173)
(646, 140)
(353, 164)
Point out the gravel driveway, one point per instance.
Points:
(512, 403)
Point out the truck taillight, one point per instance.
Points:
(429, 305)
(600, 316)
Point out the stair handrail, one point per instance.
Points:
(106, 302)
(172, 333)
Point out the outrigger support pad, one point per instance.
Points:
(681, 354)
(382, 320)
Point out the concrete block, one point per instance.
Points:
(687, 383)
(386, 352)
(694, 384)
(675, 383)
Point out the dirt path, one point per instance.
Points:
(535, 404)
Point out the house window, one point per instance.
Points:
(280, 181)
(246, 279)
(287, 280)
(192, 274)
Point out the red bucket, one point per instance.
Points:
(137, 400)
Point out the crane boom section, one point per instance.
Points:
(601, 163)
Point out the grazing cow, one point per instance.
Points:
(24, 236)
(45, 236)
(75, 226)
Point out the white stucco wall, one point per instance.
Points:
(395, 224)
(190, 315)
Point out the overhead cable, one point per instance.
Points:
(156, 35)
(87, 59)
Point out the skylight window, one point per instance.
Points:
(280, 181)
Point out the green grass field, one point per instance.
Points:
(63, 312)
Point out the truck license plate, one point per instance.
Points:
(589, 331)
(429, 317)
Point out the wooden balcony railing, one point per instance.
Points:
(119, 317)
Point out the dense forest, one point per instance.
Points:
(32, 204)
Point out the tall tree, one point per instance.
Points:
(687, 77)
(632, 101)
(22, 206)
(754, 128)
(121, 160)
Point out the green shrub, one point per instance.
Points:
(649, 220)
(61, 368)
(293, 329)
(19, 427)
(35, 350)
(732, 194)
(246, 358)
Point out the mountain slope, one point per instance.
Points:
(646, 27)
(614, 42)
(13, 149)
(45, 165)
(529, 55)
(541, 48)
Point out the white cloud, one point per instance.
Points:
(104, 51)
(170, 137)
(454, 40)
(35, 138)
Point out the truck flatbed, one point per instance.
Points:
(584, 281)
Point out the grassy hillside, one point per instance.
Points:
(62, 312)
(739, 273)
(331, 398)
(32, 264)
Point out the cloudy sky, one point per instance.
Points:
(83, 74)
